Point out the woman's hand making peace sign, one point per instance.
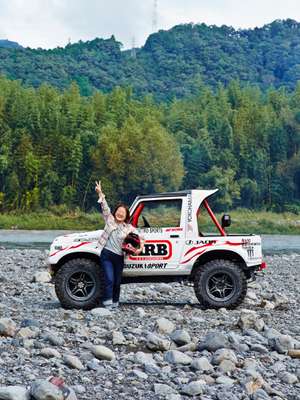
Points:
(98, 188)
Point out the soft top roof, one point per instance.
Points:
(164, 194)
(179, 193)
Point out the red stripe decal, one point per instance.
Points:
(198, 247)
(69, 248)
(196, 254)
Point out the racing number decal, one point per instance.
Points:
(154, 250)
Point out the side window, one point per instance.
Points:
(206, 226)
(160, 213)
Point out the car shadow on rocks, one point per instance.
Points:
(179, 304)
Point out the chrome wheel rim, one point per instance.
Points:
(81, 286)
(220, 286)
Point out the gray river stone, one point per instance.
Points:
(214, 341)
(194, 388)
(72, 361)
(177, 357)
(14, 393)
(157, 343)
(164, 325)
(224, 354)
(101, 312)
(103, 353)
(49, 352)
(44, 390)
(180, 337)
(202, 364)
(162, 389)
(7, 327)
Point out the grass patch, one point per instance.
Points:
(264, 222)
(49, 221)
(243, 221)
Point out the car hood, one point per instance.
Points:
(79, 237)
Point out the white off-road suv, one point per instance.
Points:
(176, 248)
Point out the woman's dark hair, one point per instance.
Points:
(127, 211)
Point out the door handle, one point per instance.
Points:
(174, 236)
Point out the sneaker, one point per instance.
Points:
(107, 304)
(115, 305)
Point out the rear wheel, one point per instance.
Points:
(220, 283)
(79, 283)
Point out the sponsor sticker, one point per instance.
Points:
(189, 208)
(154, 250)
(146, 266)
(152, 230)
(200, 241)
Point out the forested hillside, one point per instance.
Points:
(53, 145)
(8, 44)
(171, 63)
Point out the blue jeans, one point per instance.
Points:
(112, 265)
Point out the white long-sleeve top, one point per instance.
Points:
(123, 229)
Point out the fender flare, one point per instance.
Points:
(220, 254)
(76, 254)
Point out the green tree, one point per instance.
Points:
(137, 158)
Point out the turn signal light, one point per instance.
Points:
(263, 265)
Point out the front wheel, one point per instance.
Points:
(220, 283)
(79, 283)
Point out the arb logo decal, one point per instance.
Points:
(155, 250)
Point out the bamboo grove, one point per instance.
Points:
(54, 145)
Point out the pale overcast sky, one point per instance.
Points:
(51, 23)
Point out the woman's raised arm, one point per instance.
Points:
(105, 207)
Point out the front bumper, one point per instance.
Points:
(49, 266)
(254, 271)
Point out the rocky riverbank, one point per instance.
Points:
(158, 345)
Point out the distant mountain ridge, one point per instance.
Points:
(8, 44)
(171, 63)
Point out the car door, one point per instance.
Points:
(161, 223)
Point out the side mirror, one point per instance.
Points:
(226, 221)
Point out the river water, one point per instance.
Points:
(41, 240)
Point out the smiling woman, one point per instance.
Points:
(116, 229)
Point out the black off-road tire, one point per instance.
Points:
(208, 284)
(79, 283)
